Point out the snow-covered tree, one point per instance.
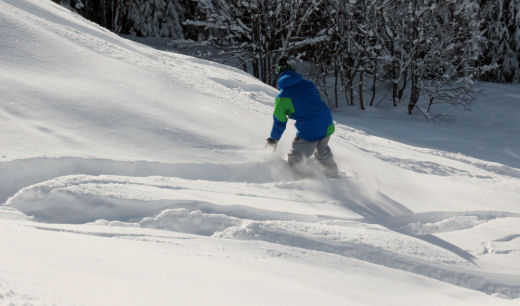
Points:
(459, 46)
(172, 20)
(429, 51)
(443, 46)
(143, 18)
(156, 18)
(342, 49)
(501, 21)
(260, 31)
(394, 58)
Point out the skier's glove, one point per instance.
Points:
(271, 143)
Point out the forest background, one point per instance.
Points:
(359, 52)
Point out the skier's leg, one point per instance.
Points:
(301, 149)
(324, 156)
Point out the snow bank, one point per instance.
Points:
(21, 173)
(352, 239)
(193, 222)
(102, 96)
(388, 249)
(10, 213)
(447, 225)
(212, 208)
(83, 198)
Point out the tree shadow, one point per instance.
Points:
(469, 141)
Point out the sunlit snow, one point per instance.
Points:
(132, 176)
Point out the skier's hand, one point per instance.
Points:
(271, 143)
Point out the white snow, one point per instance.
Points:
(132, 176)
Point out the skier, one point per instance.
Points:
(300, 100)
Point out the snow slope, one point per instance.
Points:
(131, 176)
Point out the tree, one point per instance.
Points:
(444, 45)
(258, 32)
(150, 18)
(394, 58)
(343, 48)
(428, 51)
(501, 21)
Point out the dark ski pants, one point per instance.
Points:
(302, 149)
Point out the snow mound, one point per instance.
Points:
(85, 198)
(447, 225)
(10, 213)
(215, 208)
(194, 222)
(181, 220)
(99, 95)
(26, 172)
(350, 238)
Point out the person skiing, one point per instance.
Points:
(300, 100)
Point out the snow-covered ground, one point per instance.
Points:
(131, 176)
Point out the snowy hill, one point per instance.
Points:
(131, 176)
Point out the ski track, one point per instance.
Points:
(157, 61)
(11, 297)
(157, 195)
(21, 173)
(121, 193)
(424, 161)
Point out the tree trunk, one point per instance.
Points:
(116, 22)
(415, 90)
(264, 74)
(394, 93)
(361, 99)
(102, 14)
(374, 80)
(401, 90)
(256, 66)
(336, 85)
(430, 104)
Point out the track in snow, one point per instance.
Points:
(302, 214)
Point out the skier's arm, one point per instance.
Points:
(283, 108)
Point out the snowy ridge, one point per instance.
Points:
(127, 166)
(25, 172)
(206, 208)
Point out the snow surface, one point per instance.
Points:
(132, 176)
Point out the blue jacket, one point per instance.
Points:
(300, 100)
